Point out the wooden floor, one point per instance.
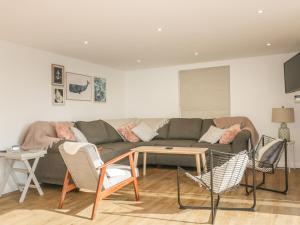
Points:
(158, 205)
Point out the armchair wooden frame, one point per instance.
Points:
(100, 194)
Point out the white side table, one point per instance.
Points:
(290, 156)
(23, 156)
(291, 147)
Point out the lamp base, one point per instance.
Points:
(284, 132)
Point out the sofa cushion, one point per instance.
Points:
(116, 146)
(218, 147)
(181, 128)
(206, 125)
(213, 135)
(144, 131)
(113, 135)
(172, 142)
(163, 132)
(94, 131)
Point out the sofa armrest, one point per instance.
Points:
(241, 141)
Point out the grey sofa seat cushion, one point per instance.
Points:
(206, 125)
(118, 146)
(94, 131)
(181, 128)
(173, 143)
(107, 154)
(113, 135)
(219, 147)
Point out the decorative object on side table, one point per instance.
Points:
(11, 157)
(58, 75)
(283, 115)
(79, 87)
(99, 89)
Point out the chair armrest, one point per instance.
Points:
(113, 161)
(241, 141)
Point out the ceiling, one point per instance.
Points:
(124, 33)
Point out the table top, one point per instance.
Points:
(174, 150)
(23, 155)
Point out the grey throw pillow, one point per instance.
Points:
(271, 155)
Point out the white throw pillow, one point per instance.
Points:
(213, 135)
(144, 132)
(79, 135)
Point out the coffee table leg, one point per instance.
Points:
(144, 164)
(203, 161)
(198, 165)
(136, 156)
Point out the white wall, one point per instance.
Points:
(257, 85)
(25, 92)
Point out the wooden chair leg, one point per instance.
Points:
(135, 183)
(65, 189)
(98, 192)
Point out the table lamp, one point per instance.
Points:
(283, 115)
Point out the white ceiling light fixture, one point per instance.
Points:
(138, 61)
(159, 29)
(260, 11)
(268, 44)
(85, 42)
(196, 53)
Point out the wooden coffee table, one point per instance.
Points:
(199, 154)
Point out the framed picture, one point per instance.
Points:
(57, 74)
(79, 87)
(99, 89)
(58, 95)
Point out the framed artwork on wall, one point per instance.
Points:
(99, 89)
(57, 74)
(79, 87)
(58, 95)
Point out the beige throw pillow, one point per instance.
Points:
(213, 135)
(144, 132)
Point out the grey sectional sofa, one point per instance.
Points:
(178, 132)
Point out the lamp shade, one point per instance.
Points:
(283, 115)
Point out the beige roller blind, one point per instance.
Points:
(205, 92)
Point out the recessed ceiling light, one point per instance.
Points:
(260, 11)
(159, 29)
(268, 44)
(85, 42)
(196, 53)
(138, 61)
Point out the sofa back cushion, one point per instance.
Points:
(206, 125)
(94, 131)
(113, 135)
(163, 132)
(182, 128)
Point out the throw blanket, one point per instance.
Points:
(40, 135)
(246, 124)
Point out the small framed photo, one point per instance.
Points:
(58, 95)
(99, 89)
(58, 75)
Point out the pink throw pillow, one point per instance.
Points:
(230, 134)
(126, 132)
(63, 131)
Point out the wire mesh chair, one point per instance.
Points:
(269, 166)
(223, 173)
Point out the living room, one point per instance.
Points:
(146, 56)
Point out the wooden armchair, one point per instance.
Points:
(87, 171)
